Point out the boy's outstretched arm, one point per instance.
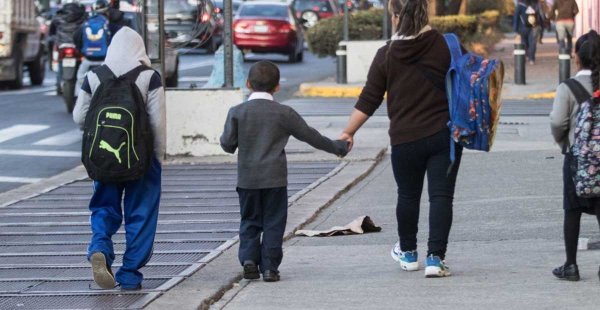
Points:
(229, 138)
(298, 128)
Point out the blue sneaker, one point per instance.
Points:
(436, 268)
(408, 260)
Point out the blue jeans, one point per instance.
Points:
(411, 162)
(263, 211)
(140, 202)
(529, 37)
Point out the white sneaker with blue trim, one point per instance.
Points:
(408, 260)
(435, 267)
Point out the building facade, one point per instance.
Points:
(589, 16)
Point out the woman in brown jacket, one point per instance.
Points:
(411, 69)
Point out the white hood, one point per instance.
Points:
(126, 51)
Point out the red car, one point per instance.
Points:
(268, 27)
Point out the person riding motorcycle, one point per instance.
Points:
(115, 17)
(64, 24)
(92, 40)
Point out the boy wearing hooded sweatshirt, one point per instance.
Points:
(140, 197)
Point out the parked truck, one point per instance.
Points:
(22, 44)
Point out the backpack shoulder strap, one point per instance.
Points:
(104, 73)
(135, 72)
(453, 46)
(581, 94)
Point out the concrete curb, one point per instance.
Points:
(44, 186)
(216, 279)
(332, 90)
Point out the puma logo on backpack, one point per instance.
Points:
(117, 137)
(105, 146)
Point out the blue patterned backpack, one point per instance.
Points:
(586, 147)
(473, 87)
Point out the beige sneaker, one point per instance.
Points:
(103, 276)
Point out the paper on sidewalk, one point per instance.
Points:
(360, 225)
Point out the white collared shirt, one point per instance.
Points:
(260, 95)
(584, 73)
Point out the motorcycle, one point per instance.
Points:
(69, 60)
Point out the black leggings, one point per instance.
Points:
(571, 230)
(411, 162)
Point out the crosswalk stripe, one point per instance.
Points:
(62, 139)
(38, 153)
(20, 130)
(4, 179)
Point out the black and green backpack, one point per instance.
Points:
(117, 137)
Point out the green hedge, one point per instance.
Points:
(465, 26)
(505, 7)
(324, 37)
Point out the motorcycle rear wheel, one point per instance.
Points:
(68, 90)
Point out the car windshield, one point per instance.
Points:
(177, 6)
(263, 10)
(312, 5)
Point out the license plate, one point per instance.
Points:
(261, 28)
(69, 62)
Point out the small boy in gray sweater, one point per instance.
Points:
(260, 128)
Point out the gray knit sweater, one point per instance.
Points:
(260, 130)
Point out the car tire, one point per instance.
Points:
(311, 18)
(293, 57)
(173, 80)
(69, 95)
(17, 83)
(37, 69)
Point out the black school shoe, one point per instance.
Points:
(271, 276)
(569, 273)
(251, 270)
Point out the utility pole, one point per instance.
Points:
(386, 20)
(228, 43)
(346, 13)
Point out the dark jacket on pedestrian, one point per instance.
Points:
(410, 71)
(260, 129)
(520, 20)
(564, 10)
(66, 22)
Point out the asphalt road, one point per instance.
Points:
(38, 139)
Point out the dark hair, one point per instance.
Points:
(582, 49)
(263, 76)
(594, 55)
(412, 16)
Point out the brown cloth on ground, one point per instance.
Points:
(361, 225)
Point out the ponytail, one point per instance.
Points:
(412, 16)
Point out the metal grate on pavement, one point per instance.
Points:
(43, 239)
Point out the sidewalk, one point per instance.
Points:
(541, 78)
(506, 239)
